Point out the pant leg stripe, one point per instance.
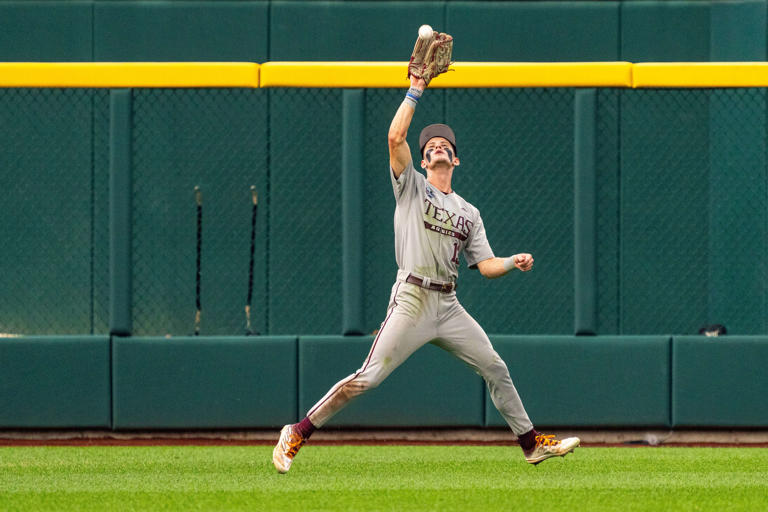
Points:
(367, 360)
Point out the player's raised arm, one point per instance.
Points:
(431, 56)
(399, 152)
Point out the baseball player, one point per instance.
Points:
(433, 227)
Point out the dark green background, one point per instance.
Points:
(680, 225)
(260, 30)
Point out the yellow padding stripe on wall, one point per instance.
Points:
(701, 74)
(334, 74)
(129, 74)
(463, 74)
(382, 74)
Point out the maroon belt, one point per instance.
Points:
(444, 288)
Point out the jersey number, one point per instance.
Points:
(455, 258)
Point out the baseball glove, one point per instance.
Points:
(431, 56)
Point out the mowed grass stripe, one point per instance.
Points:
(381, 478)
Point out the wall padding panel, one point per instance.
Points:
(534, 31)
(193, 382)
(719, 382)
(665, 31)
(588, 380)
(40, 31)
(738, 31)
(55, 382)
(181, 31)
(328, 30)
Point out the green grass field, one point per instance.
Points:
(365, 478)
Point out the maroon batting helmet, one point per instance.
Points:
(437, 130)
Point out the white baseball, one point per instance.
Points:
(425, 32)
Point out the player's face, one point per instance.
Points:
(438, 151)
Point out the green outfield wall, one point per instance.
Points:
(258, 30)
(139, 383)
(644, 208)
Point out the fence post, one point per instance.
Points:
(352, 316)
(585, 214)
(120, 193)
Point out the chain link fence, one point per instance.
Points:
(305, 216)
(607, 208)
(51, 279)
(681, 208)
(738, 205)
(100, 244)
(214, 139)
(664, 219)
(517, 161)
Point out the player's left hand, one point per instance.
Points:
(418, 83)
(523, 261)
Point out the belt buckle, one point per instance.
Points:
(446, 287)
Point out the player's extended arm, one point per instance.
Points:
(399, 152)
(497, 267)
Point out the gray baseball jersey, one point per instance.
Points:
(432, 228)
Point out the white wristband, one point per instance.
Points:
(412, 96)
(509, 263)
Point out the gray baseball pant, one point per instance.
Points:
(417, 316)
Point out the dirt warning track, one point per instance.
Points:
(368, 437)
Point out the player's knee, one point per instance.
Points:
(358, 386)
(370, 383)
(494, 368)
